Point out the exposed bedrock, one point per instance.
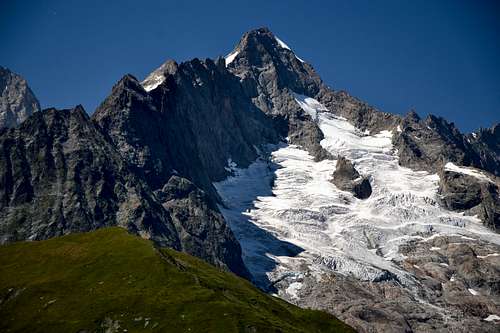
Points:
(428, 144)
(458, 289)
(202, 230)
(271, 75)
(59, 175)
(475, 195)
(347, 178)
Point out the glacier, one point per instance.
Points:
(292, 221)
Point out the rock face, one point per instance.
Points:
(271, 75)
(347, 178)
(17, 101)
(60, 174)
(474, 195)
(486, 143)
(429, 143)
(360, 114)
(192, 124)
(202, 230)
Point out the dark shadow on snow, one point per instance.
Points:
(258, 244)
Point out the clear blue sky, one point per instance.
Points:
(440, 57)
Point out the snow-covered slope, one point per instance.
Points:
(292, 221)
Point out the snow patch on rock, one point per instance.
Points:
(293, 289)
(473, 292)
(310, 105)
(230, 57)
(467, 171)
(492, 318)
(153, 81)
(283, 45)
(489, 255)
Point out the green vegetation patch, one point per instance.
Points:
(111, 281)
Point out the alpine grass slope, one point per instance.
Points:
(111, 281)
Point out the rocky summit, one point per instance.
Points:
(253, 164)
(17, 101)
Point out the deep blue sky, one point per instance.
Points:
(440, 57)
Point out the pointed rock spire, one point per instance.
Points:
(157, 77)
(17, 101)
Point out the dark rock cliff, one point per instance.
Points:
(59, 175)
(486, 144)
(428, 144)
(474, 195)
(202, 229)
(191, 124)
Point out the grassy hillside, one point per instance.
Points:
(111, 281)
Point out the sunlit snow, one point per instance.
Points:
(293, 288)
(310, 105)
(289, 217)
(473, 292)
(154, 79)
(489, 255)
(284, 46)
(467, 171)
(230, 57)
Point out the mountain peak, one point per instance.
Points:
(17, 101)
(261, 40)
(157, 77)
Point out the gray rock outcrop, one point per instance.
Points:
(347, 178)
(17, 101)
(427, 144)
(474, 195)
(486, 143)
(202, 230)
